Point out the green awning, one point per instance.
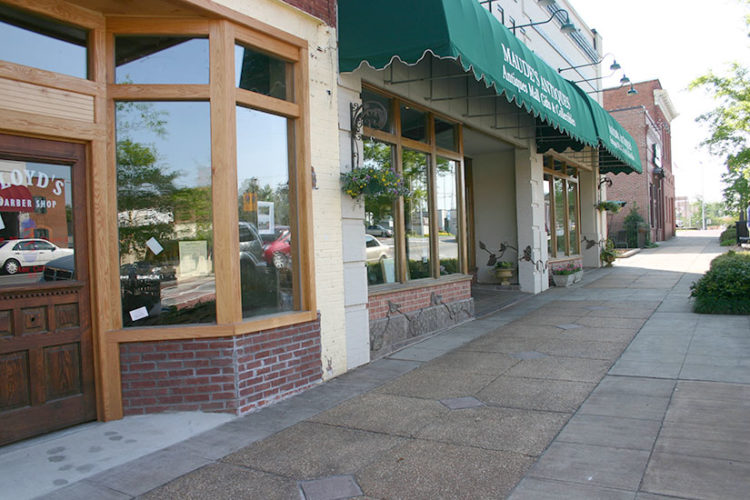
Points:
(378, 31)
(618, 151)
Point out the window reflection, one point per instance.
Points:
(548, 214)
(445, 134)
(573, 216)
(447, 215)
(376, 111)
(379, 219)
(416, 214)
(258, 72)
(42, 43)
(267, 243)
(164, 213)
(161, 60)
(413, 124)
(36, 221)
(560, 210)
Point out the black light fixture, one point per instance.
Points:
(567, 26)
(625, 80)
(614, 66)
(632, 90)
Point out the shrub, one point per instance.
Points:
(725, 288)
(728, 237)
(632, 223)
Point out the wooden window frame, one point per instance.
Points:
(548, 169)
(430, 148)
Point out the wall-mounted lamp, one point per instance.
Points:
(567, 26)
(632, 90)
(625, 80)
(614, 66)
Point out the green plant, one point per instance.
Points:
(571, 267)
(503, 264)
(632, 223)
(609, 206)
(608, 255)
(371, 181)
(725, 288)
(728, 237)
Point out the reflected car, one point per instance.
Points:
(61, 268)
(279, 253)
(251, 247)
(375, 250)
(16, 255)
(378, 230)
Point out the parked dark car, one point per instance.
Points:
(61, 268)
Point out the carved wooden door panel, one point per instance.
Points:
(46, 368)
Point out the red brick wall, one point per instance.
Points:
(229, 374)
(418, 298)
(323, 9)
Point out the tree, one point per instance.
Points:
(729, 128)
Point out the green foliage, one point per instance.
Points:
(728, 237)
(609, 206)
(608, 255)
(725, 288)
(504, 264)
(632, 224)
(448, 266)
(419, 269)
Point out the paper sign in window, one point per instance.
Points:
(154, 246)
(139, 313)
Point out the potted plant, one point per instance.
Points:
(504, 272)
(565, 274)
(371, 181)
(608, 255)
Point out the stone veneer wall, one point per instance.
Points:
(228, 374)
(401, 317)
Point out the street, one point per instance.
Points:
(609, 389)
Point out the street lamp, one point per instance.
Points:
(567, 26)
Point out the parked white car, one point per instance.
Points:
(17, 254)
(375, 249)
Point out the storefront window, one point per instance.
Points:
(379, 220)
(42, 43)
(161, 60)
(164, 213)
(413, 124)
(573, 216)
(376, 111)
(447, 216)
(36, 221)
(560, 210)
(261, 73)
(267, 243)
(416, 214)
(445, 135)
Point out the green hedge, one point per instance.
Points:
(725, 288)
(728, 237)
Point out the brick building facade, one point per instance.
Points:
(647, 117)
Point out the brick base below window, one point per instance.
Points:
(228, 374)
(405, 316)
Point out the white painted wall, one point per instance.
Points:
(532, 276)
(494, 188)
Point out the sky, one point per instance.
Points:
(675, 41)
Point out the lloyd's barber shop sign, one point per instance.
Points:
(15, 192)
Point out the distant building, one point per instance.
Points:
(683, 211)
(647, 116)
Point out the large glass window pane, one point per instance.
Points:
(258, 72)
(416, 214)
(42, 43)
(379, 219)
(561, 207)
(573, 216)
(413, 123)
(376, 111)
(445, 135)
(548, 214)
(161, 60)
(164, 213)
(267, 243)
(36, 222)
(447, 216)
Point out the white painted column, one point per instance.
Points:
(532, 276)
(591, 225)
(353, 227)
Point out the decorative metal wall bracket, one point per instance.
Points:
(356, 119)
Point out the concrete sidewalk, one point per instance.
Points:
(535, 401)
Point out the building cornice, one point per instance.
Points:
(661, 98)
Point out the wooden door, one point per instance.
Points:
(46, 368)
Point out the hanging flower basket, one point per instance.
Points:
(377, 182)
